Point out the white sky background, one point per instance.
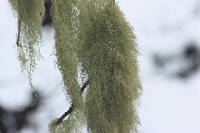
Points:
(167, 105)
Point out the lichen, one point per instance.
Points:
(30, 14)
(109, 56)
(95, 35)
(65, 22)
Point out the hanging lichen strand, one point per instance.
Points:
(65, 19)
(29, 13)
(109, 57)
(65, 22)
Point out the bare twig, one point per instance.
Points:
(69, 111)
(18, 34)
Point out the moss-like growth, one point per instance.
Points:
(109, 57)
(30, 14)
(65, 21)
(95, 34)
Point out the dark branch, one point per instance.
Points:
(18, 34)
(47, 19)
(69, 111)
(84, 86)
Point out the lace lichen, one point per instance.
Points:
(65, 24)
(95, 34)
(65, 19)
(30, 14)
(109, 57)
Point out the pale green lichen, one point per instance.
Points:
(65, 19)
(30, 14)
(95, 34)
(109, 57)
(65, 23)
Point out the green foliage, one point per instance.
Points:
(30, 13)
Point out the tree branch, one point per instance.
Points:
(18, 34)
(69, 111)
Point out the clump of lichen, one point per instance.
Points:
(109, 57)
(65, 19)
(65, 22)
(30, 14)
(95, 35)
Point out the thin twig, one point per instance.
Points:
(69, 111)
(84, 86)
(18, 34)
